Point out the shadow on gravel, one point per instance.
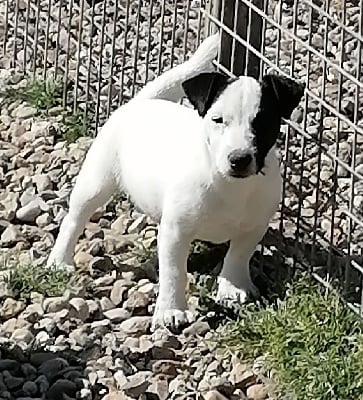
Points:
(282, 260)
(26, 375)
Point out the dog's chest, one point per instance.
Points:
(228, 214)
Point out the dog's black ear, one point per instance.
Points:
(286, 92)
(203, 89)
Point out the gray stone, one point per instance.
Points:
(197, 328)
(24, 112)
(30, 388)
(117, 315)
(51, 368)
(8, 365)
(119, 289)
(55, 304)
(11, 235)
(214, 395)
(42, 182)
(32, 313)
(257, 392)
(32, 210)
(79, 308)
(8, 205)
(136, 300)
(101, 263)
(136, 326)
(62, 388)
(138, 225)
(11, 308)
(137, 384)
(22, 335)
(12, 382)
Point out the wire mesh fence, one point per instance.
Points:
(104, 51)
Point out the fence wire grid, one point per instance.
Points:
(104, 51)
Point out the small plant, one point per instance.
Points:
(75, 126)
(40, 94)
(25, 279)
(44, 95)
(312, 341)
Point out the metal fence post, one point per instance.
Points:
(246, 23)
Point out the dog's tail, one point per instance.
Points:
(168, 86)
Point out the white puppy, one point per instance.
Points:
(210, 174)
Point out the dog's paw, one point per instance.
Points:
(229, 295)
(173, 319)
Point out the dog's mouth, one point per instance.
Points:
(240, 175)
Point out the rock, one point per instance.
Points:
(164, 339)
(136, 300)
(42, 182)
(44, 221)
(199, 328)
(162, 353)
(12, 382)
(52, 367)
(158, 388)
(60, 388)
(241, 378)
(120, 379)
(4, 290)
(32, 313)
(166, 367)
(82, 258)
(136, 326)
(22, 335)
(11, 235)
(24, 112)
(11, 308)
(137, 384)
(8, 205)
(117, 315)
(8, 365)
(30, 388)
(55, 304)
(214, 395)
(101, 264)
(138, 225)
(41, 339)
(31, 211)
(81, 336)
(27, 196)
(120, 224)
(79, 308)
(257, 392)
(119, 289)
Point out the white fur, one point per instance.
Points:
(173, 164)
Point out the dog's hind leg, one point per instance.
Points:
(94, 186)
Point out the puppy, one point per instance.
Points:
(209, 173)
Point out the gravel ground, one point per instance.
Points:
(94, 341)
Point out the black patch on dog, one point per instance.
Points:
(203, 90)
(279, 97)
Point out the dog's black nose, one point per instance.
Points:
(239, 161)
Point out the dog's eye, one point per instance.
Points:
(217, 120)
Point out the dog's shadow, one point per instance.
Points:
(279, 261)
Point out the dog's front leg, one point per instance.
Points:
(234, 282)
(173, 247)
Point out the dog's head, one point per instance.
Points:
(242, 117)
